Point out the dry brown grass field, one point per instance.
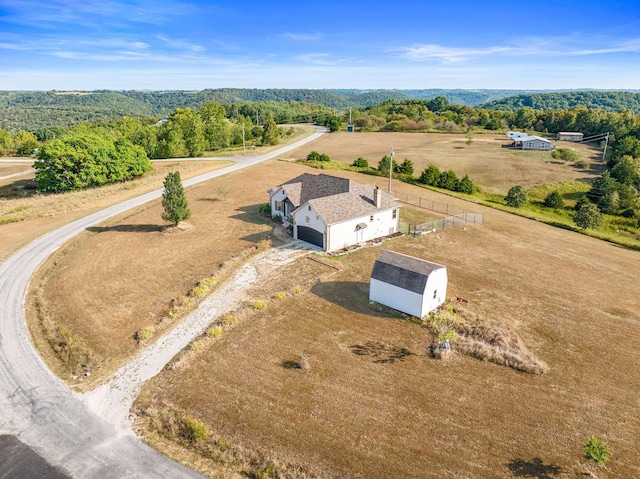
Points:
(494, 168)
(373, 403)
(391, 410)
(24, 215)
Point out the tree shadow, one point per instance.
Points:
(212, 200)
(535, 468)
(147, 228)
(382, 353)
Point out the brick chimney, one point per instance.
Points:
(377, 197)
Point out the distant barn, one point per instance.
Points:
(411, 285)
(570, 136)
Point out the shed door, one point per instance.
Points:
(311, 236)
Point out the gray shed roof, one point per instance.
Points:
(403, 271)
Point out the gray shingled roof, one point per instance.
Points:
(355, 203)
(403, 271)
(308, 187)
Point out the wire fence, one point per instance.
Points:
(448, 222)
(456, 216)
(427, 204)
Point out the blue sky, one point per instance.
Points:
(189, 44)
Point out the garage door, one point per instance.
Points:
(310, 236)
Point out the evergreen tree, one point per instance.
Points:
(517, 196)
(588, 216)
(270, 132)
(466, 185)
(174, 200)
(430, 176)
(554, 200)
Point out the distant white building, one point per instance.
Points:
(333, 212)
(516, 134)
(411, 285)
(570, 136)
(525, 141)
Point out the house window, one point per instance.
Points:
(309, 207)
(371, 218)
(279, 206)
(395, 214)
(435, 293)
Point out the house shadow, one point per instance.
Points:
(251, 214)
(535, 468)
(146, 228)
(352, 296)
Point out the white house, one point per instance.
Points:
(533, 143)
(332, 212)
(408, 284)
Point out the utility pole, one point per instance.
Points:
(390, 168)
(606, 142)
(244, 149)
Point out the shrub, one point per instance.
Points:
(517, 196)
(145, 333)
(564, 154)
(203, 286)
(281, 296)
(196, 346)
(297, 290)
(315, 156)
(588, 216)
(554, 200)
(259, 304)
(229, 320)
(265, 209)
(193, 430)
(361, 163)
(214, 332)
(582, 163)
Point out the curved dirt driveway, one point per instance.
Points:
(39, 408)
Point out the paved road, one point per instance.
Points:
(37, 407)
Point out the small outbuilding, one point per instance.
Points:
(411, 285)
(570, 136)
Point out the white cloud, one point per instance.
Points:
(181, 44)
(546, 47)
(301, 37)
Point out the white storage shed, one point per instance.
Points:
(411, 285)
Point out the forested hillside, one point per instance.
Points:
(606, 100)
(32, 111)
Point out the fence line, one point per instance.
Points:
(456, 216)
(448, 222)
(427, 204)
